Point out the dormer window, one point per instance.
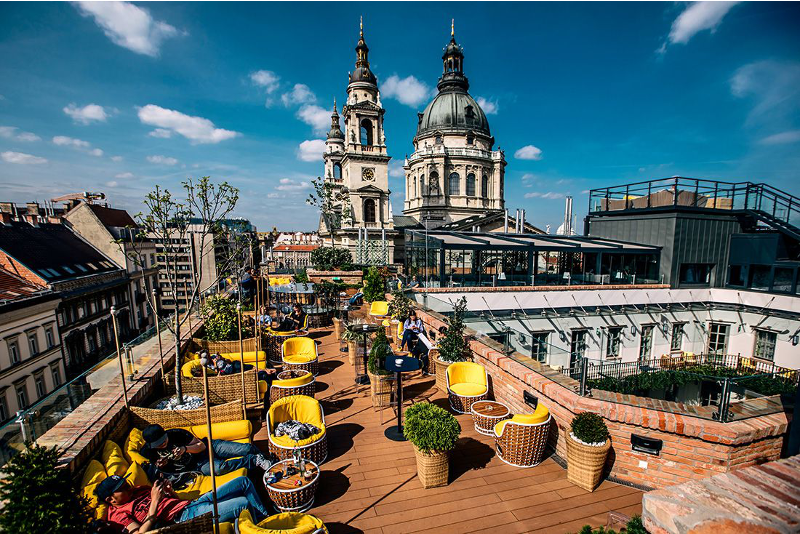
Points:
(470, 138)
(469, 112)
(439, 139)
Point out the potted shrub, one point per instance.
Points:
(380, 380)
(587, 447)
(434, 432)
(452, 347)
(374, 285)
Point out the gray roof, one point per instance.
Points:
(448, 113)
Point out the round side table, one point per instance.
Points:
(286, 494)
(486, 414)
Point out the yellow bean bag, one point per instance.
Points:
(297, 408)
(202, 484)
(133, 444)
(294, 382)
(136, 475)
(539, 415)
(285, 523)
(379, 307)
(238, 431)
(92, 476)
(113, 460)
(299, 350)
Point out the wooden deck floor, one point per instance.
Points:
(369, 483)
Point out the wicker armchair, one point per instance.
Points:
(203, 524)
(300, 354)
(292, 382)
(467, 382)
(289, 522)
(305, 410)
(273, 342)
(521, 440)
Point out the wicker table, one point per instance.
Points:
(486, 414)
(286, 494)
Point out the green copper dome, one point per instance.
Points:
(453, 111)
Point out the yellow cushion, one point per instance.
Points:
(467, 389)
(95, 473)
(113, 459)
(202, 484)
(379, 307)
(186, 368)
(137, 476)
(539, 415)
(298, 408)
(466, 373)
(285, 523)
(238, 431)
(133, 444)
(286, 441)
(294, 382)
(262, 387)
(249, 356)
(299, 358)
(300, 346)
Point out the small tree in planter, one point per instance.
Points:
(221, 321)
(587, 448)
(400, 305)
(374, 286)
(40, 497)
(353, 339)
(434, 432)
(380, 379)
(453, 346)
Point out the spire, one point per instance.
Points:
(453, 28)
(361, 25)
(453, 63)
(362, 72)
(336, 131)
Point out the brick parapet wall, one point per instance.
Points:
(348, 277)
(517, 289)
(80, 434)
(693, 448)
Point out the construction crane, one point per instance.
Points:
(88, 196)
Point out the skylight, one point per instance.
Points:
(81, 268)
(68, 269)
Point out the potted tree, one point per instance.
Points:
(399, 308)
(374, 285)
(587, 447)
(353, 340)
(452, 347)
(380, 380)
(434, 432)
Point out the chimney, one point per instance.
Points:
(32, 219)
(505, 221)
(522, 223)
(5, 217)
(32, 208)
(516, 222)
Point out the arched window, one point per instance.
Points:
(369, 210)
(470, 185)
(421, 184)
(337, 171)
(433, 183)
(366, 132)
(453, 183)
(470, 138)
(485, 186)
(415, 187)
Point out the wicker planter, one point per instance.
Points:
(352, 352)
(380, 387)
(441, 372)
(337, 328)
(585, 463)
(433, 469)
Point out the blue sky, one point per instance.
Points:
(121, 97)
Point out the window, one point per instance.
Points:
(366, 132)
(13, 352)
(646, 343)
(470, 139)
(470, 185)
(421, 184)
(736, 276)
(41, 388)
(55, 374)
(485, 186)
(577, 347)
(369, 210)
(453, 184)
(759, 277)
(718, 338)
(33, 343)
(3, 408)
(539, 346)
(782, 280)
(415, 188)
(613, 342)
(49, 338)
(696, 273)
(337, 171)
(676, 343)
(765, 344)
(22, 396)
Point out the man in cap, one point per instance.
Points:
(140, 509)
(178, 451)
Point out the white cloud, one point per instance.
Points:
(300, 94)
(162, 160)
(408, 90)
(124, 175)
(311, 150)
(86, 114)
(528, 152)
(291, 185)
(196, 129)
(274, 195)
(21, 158)
(161, 133)
(95, 152)
(112, 183)
(10, 132)
(269, 81)
(129, 26)
(77, 144)
(316, 117)
(116, 159)
(396, 169)
(774, 86)
(697, 17)
(548, 195)
(490, 107)
(783, 138)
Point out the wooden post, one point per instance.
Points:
(119, 356)
(257, 325)
(203, 364)
(158, 333)
(241, 360)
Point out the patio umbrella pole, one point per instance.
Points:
(158, 333)
(203, 364)
(257, 324)
(119, 356)
(241, 359)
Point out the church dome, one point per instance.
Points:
(363, 74)
(453, 110)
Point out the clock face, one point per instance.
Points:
(368, 174)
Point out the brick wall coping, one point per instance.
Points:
(516, 289)
(760, 499)
(310, 272)
(638, 411)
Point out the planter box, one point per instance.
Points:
(433, 469)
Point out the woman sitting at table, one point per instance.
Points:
(294, 321)
(412, 328)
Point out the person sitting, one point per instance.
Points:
(140, 509)
(294, 321)
(224, 366)
(264, 318)
(412, 328)
(176, 450)
(423, 347)
(247, 283)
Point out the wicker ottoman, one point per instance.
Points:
(278, 391)
(286, 494)
(312, 366)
